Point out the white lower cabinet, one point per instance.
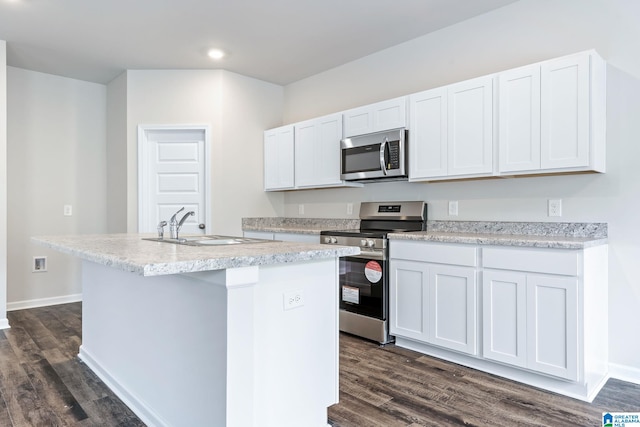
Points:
(433, 303)
(530, 320)
(452, 312)
(534, 315)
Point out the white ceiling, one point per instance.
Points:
(279, 41)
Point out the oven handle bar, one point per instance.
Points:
(369, 255)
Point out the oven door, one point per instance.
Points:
(363, 282)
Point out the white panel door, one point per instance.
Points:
(552, 325)
(504, 317)
(173, 174)
(519, 119)
(452, 307)
(565, 111)
(428, 134)
(470, 121)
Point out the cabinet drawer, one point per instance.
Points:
(439, 253)
(552, 261)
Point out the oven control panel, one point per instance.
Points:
(355, 241)
(369, 247)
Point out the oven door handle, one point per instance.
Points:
(383, 160)
(369, 255)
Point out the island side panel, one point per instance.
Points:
(219, 347)
(158, 342)
(296, 357)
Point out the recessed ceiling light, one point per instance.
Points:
(216, 53)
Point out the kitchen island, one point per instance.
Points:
(229, 335)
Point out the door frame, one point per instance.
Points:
(143, 172)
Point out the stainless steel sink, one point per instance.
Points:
(208, 240)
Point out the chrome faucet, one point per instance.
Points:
(174, 225)
(161, 225)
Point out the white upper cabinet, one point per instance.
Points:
(428, 134)
(552, 116)
(470, 127)
(519, 119)
(317, 151)
(304, 155)
(378, 117)
(451, 131)
(278, 159)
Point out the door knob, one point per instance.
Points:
(201, 226)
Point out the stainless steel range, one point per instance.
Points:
(364, 279)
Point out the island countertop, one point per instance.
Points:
(129, 252)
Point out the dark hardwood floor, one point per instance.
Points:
(392, 386)
(42, 383)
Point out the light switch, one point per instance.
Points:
(68, 210)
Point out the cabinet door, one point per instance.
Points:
(317, 151)
(552, 325)
(385, 115)
(565, 112)
(408, 299)
(278, 158)
(504, 317)
(428, 134)
(519, 119)
(452, 307)
(470, 127)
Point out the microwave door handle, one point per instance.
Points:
(383, 163)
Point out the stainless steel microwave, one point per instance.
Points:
(374, 157)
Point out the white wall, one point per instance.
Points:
(117, 155)
(521, 33)
(57, 146)
(238, 109)
(3, 184)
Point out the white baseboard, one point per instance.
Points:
(624, 373)
(146, 414)
(4, 323)
(43, 302)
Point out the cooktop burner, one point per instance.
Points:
(379, 219)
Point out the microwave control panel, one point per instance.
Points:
(393, 161)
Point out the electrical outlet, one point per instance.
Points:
(39, 264)
(555, 207)
(349, 208)
(293, 299)
(300, 209)
(453, 208)
(68, 210)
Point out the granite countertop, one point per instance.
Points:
(560, 235)
(128, 252)
(525, 234)
(558, 242)
(298, 225)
